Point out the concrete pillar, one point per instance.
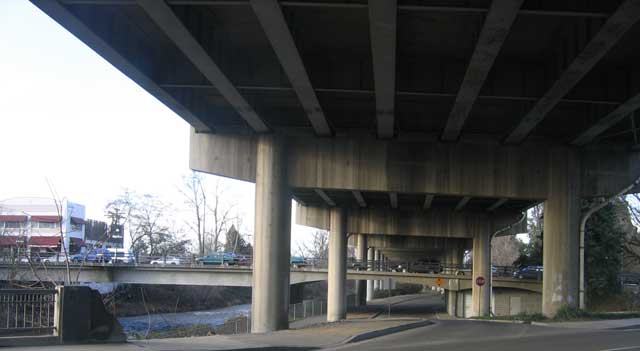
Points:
(370, 287)
(337, 276)
(481, 295)
(376, 267)
(452, 298)
(272, 244)
(393, 283)
(361, 255)
(560, 254)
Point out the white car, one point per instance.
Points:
(167, 260)
(54, 259)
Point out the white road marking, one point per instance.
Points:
(623, 348)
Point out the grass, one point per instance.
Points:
(566, 314)
(178, 332)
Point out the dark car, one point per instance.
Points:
(425, 265)
(97, 256)
(529, 272)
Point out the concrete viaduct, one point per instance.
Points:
(391, 119)
(241, 277)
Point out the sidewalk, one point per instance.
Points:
(309, 337)
(629, 323)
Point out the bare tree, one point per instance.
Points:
(317, 248)
(505, 250)
(212, 213)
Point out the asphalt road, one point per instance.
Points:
(477, 336)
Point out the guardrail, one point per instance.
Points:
(27, 312)
(122, 259)
(297, 311)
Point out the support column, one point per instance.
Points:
(560, 252)
(455, 257)
(272, 244)
(376, 267)
(481, 295)
(361, 256)
(370, 287)
(337, 276)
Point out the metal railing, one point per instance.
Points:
(297, 311)
(27, 312)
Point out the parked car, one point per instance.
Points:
(298, 262)
(529, 272)
(167, 260)
(121, 256)
(244, 260)
(97, 256)
(358, 265)
(218, 258)
(425, 265)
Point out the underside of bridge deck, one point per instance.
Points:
(415, 118)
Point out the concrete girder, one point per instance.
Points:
(171, 25)
(428, 200)
(438, 222)
(627, 14)
(382, 25)
(608, 121)
(359, 198)
(467, 168)
(497, 204)
(495, 30)
(275, 27)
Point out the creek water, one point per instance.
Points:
(164, 321)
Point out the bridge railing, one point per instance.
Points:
(297, 311)
(27, 312)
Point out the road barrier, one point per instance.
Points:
(27, 312)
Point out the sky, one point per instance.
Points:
(70, 118)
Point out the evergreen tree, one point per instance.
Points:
(604, 240)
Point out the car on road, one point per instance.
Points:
(121, 256)
(529, 272)
(425, 265)
(57, 258)
(218, 258)
(93, 256)
(167, 260)
(298, 262)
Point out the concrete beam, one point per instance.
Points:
(382, 26)
(627, 14)
(359, 198)
(393, 199)
(497, 204)
(275, 27)
(608, 121)
(71, 23)
(495, 30)
(325, 197)
(428, 199)
(171, 25)
(466, 168)
(463, 202)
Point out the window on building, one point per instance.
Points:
(44, 225)
(76, 227)
(14, 225)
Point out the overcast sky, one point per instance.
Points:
(67, 115)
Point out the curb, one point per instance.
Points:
(387, 331)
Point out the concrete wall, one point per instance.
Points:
(504, 302)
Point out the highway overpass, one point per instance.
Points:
(392, 118)
(233, 276)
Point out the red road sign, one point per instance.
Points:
(480, 281)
